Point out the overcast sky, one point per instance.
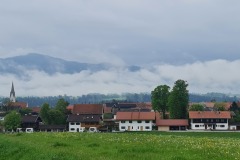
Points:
(197, 40)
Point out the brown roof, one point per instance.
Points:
(209, 114)
(70, 107)
(209, 104)
(107, 109)
(135, 116)
(30, 119)
(172, 122)
(36, 109)
(87, 109)
(83, 118)
(18, 104)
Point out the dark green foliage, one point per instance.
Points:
(196, 107)
(159, 98)
(24, 111)
(219, 106)
(234, 107)
(12, 120)
(178, 100)
(56, 117)
(62, 105)
(44, 113)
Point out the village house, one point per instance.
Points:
(209, 120)
(171, 124)
(135, 121)
(85, 116)
(31, 121)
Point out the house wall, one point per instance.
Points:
(233, 127)
(75, 127)
(163, 128)
(202, 126)
(135, 125)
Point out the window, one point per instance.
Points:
(139, 121)
(122, 121)
(147, 121)
(78, 123)
(72, 123)
(72, 129)
(196, 125)
(147, 127)
(222, 126)
(130, 121)
(122, 127)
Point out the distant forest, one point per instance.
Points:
(127, 97)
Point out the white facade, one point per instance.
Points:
(75, 127)
(140, 125)
(202, 126)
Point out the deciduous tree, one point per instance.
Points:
(159, 98)
(178, 100)
(44, 113)
(12, 120)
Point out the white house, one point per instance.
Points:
(78, 123)
(135, 121)
(209, 120)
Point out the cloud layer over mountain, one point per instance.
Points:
(210, 76)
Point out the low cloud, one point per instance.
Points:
(202, 77)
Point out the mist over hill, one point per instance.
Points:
(20, 65)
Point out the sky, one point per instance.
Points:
(194, 40)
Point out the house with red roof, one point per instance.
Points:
(135, 121)
(209, 120)
(171, 124)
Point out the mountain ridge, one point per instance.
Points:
(50, 65)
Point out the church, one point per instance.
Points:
(14, 104)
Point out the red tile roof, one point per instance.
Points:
(209, 114)
(36, 109)
(87, 109)
(107, 109)
(172, 122)
(135, 116)
(19, 104)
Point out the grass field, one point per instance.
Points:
(106, 146)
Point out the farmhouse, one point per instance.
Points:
(85, 116)
(135, 121)
(209, 120)
(31, 121)
(80, 122)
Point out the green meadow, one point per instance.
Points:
(107, 146)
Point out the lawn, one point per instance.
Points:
(106, 146)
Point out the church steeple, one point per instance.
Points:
(12, 94)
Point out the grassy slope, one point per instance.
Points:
(151, 145)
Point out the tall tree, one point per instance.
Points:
(178, 100)
(44, 113)
(12, 120)
(159, 98)
(234, 107)
(62, 105)
(56, 117)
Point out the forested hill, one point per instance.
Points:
(128, 97)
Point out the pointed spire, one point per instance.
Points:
(12, 94)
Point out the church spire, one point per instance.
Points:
(12, 94)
